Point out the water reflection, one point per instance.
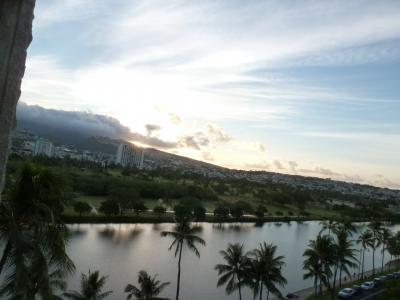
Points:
(76, 231)
(158, 227)
(120, 251)
(237, 227)
(259, 224)
(120, 235)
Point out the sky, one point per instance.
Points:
(298, 87)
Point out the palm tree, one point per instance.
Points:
(149, 287)
(254, 271)
(375, 227)
(394, 248)
(34, 235)
(321, 251)
(314, 270)
(91, 288)
(232, 273)
(328, 225)
(366, 242)
(271, 269)
(345, 255)
(183, 234)
(385, 237)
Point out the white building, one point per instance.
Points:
(130, 155)
(43, 147)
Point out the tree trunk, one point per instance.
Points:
(373, 261)
(16, 18)
(240, 292)
(267, 294)
(334, 282)
(178, 283)
(383, 257)
(316, 286)
(340, 277)
(362, 267)
(261, 289)
(359, 265)
(320, 288)
(4, 257)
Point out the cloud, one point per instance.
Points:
(217, 134)
(278, 165)
(260, 147)
(207, 156)
(212, 136)
(320, 171)
(263, 165)
(382, 180)
(87, 124)
(78, 126)
(152, 129)
(175, 119)
(293, 165)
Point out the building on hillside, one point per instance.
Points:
(130, 155)
(43, 147)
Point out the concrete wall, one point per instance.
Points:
(16, 18)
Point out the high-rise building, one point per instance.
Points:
(130, 155)
(43, 147)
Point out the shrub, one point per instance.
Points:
(221, 211)
(109, 208)
(159, 209)
(82, 208)
(199, 213)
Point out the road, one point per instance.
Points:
(369, 295)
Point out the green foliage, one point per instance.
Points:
(82, 207)
(260, 211)
(245, 206)
(91, 288)
(221, 211)
(149, 287)
(109, 208)
(34, 256)
(199, 213)
(182, 212)
(138, 206)
(236, 211)
(159, 209)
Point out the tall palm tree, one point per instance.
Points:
(385, 236)
(314, 269)
(149, 287)
(91, 288)
(366, 241)
(375, 227)
(254, 271)
(394, 248)
(271, 269)
(34, 235)
(321, 251)
(184, 234)
(232, 273)
(345, 254)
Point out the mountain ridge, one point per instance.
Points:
(100, 133)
